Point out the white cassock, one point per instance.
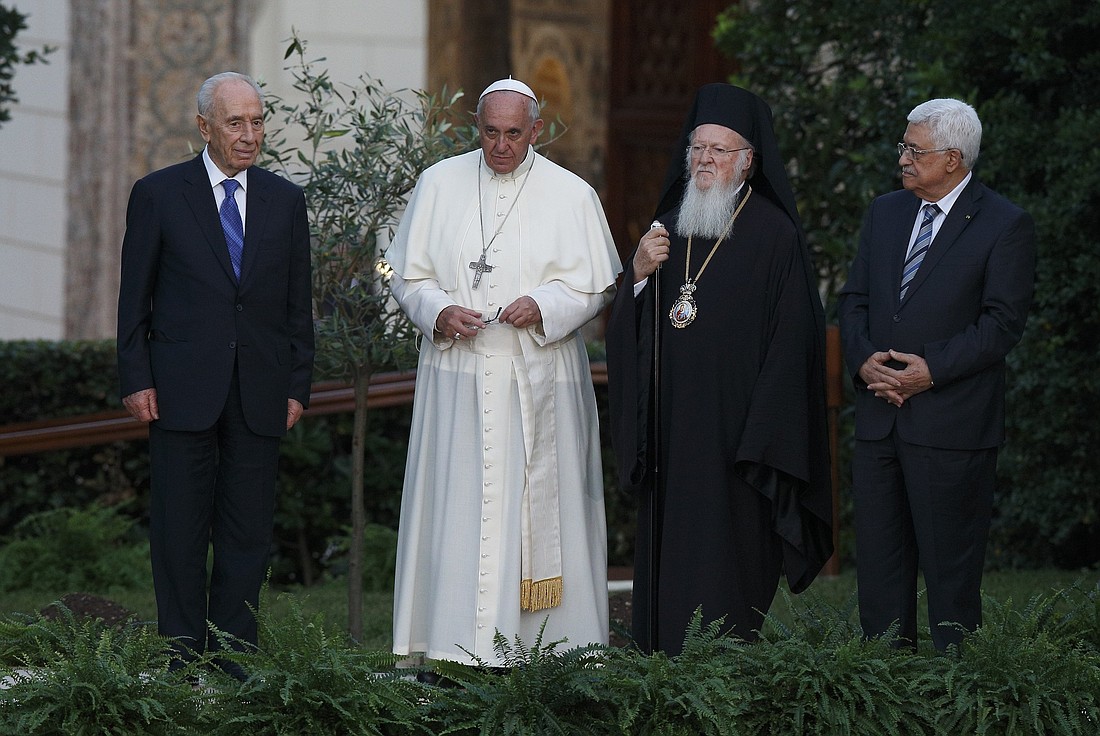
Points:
(500, 418)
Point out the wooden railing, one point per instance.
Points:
(27, 438)
(386, 389)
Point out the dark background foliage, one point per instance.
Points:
(841, 78)
(11, 23)
(71, 378)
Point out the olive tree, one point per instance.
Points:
(11, 23)
(357, 150)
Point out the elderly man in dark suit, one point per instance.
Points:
(215, 351)
(936, 297)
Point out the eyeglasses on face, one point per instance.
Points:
(698, 150)
(904, 149)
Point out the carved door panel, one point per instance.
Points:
(661, 52)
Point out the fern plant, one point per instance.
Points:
(305, 679)
(542, 688)
(81, 677)
(698, 691)
(1020, 673)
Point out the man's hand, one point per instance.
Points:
(294, 410)
(893, 385)
(142, 405)
(523, 312)
(652, 252)
(458, 322)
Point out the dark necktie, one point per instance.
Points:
(232, 225)
(920, 247)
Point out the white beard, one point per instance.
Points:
(706, 213)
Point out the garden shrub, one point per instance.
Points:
(74, 550)
(1029, 670)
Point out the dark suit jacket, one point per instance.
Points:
(963, 312)
(183, 320)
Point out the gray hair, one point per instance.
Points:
(532, 105)
(952, 124)
(205, 98)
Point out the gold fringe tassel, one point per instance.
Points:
(537, 595)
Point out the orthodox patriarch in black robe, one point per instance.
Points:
(729, 456)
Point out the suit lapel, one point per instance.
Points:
(962, 214)
(200, 198)
(899, 250)
(256, 217)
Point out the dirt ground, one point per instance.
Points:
(85, 606)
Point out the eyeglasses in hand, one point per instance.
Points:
(495, 317)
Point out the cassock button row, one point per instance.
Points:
(483, 590)
(485, 518)
(484, 574)
(481, 626)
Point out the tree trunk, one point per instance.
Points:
(358, 508)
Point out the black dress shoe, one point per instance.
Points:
(434, 679)
(230, 668)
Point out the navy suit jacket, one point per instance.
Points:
(963, 312)
(184, 322)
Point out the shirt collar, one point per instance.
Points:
(217, 176)
(948, 200)
(523, 168)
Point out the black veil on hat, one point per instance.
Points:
(743, 112)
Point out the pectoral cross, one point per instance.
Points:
(480, 266)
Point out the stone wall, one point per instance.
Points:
(136, 66)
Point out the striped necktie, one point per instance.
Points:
(920, 247)
(232, 225)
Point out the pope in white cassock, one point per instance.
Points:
(500, 258)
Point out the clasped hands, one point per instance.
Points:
(892, 384)
(458, 322)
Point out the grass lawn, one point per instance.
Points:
(330, 599)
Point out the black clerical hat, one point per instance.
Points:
(743, 112)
